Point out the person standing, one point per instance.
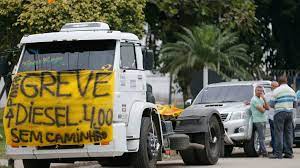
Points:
(270, 113)
(283, 101)
(259, 106)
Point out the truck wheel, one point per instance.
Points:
(212, 142)
(251, 148)
(147, 155)
(149, 146)
(228, 150)
(36, 163)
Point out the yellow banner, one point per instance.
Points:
(60, 108)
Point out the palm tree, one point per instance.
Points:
(205, 46)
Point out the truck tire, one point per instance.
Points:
(228, 150)
(36, 163)
(141, 159)
(251, 147)
(210, 154)
(144, 158)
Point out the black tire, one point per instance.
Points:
(36, 163)
(144, 157)
(228, 150)
(179, 141)
(249, 146)
(210, 154)
(189, 156)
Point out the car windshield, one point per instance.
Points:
(221, 94)
(68, 55)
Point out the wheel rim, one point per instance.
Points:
(153, 144)
(213, 143)
(256, 142)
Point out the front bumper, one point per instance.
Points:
(115, 148)
(236, 129)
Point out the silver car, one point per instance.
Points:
(232, 100)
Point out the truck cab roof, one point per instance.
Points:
(79, 32)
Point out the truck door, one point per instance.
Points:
(132, 79)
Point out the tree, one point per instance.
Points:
(283, 18)
(166, 17)
(19, 17)
(38, 16)
(205, 46)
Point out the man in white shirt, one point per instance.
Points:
(270, 112)
(283, 101)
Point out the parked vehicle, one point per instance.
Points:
(297, 126)
(232, 101)
(81, 94)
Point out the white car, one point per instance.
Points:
(232, 101)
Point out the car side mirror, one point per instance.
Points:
(188, 102)
(148, 59)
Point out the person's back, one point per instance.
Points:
(284, 98)
(283, 101)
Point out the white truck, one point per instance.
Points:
(56, 69)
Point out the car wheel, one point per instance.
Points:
(228, 150)
(189, 156)
(251, 148)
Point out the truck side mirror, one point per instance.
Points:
(188, 102)
(148, 58)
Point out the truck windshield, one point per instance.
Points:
(68, 55)
(222, 94)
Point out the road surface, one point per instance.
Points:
(237, 160)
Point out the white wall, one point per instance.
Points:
(160, 88)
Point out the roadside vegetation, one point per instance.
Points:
(205, 46)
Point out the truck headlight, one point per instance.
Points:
(238, 115)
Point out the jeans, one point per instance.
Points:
(260, 127)
(283, 132)
(271, 122)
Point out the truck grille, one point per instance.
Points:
(224, 116)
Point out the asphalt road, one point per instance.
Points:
(237, 160)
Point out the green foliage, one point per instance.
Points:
(205, 46)
(9, 34)
(240, 16)
(19, 17)
(168, 16)
(125, 15)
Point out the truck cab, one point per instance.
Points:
(81, 94)
(94, 49)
